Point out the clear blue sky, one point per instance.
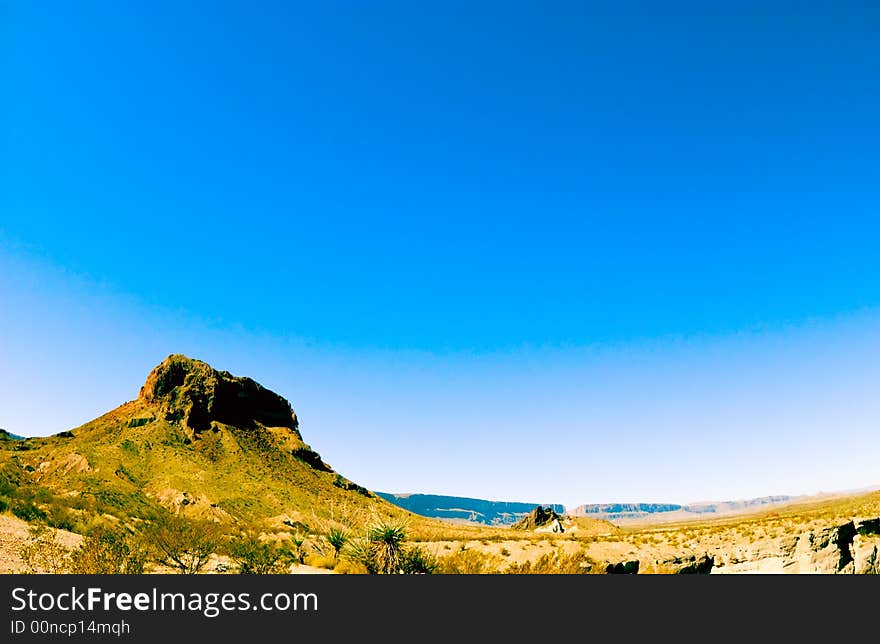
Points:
(570, 252)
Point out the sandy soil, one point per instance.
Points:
(14, 535)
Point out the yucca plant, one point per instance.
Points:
(298, 549)
(337, 539)
(386, 542)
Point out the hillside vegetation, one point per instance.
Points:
(196, 442)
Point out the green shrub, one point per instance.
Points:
(211, 446)
(418, 561)
(59, 516)
(129, 446)
(110, 552)
(255, 557)
(42, 554)
(182, 544)
(27, 511)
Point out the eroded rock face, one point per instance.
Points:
(866, 558)
(825, 551)
(866, 546)
(847, 548)
(193, 392)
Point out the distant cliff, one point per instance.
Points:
(673, 511)
(465, 509)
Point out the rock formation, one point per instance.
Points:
(194, 393)
(541, 519)
(847, 548)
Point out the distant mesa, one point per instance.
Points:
(622, 512)
(195, 393)
(464, 509)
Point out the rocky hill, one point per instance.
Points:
(196, 441)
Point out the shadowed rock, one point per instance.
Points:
(623, 568)
(543, 519)
(195, 393)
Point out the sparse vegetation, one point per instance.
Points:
(468, 562)
(557, 563)
(384, 550)
(253, 556)
(43, 553)
(182, 544)
(110, 552)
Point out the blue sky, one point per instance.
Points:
(576, 253)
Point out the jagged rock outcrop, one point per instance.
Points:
(541, 519)
(194, 393)
(828, 550)
(866, 555)
(847, 548)
(866, 546)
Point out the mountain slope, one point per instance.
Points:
(196, 441)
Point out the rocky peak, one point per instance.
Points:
(195, 393)
(541, 519)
